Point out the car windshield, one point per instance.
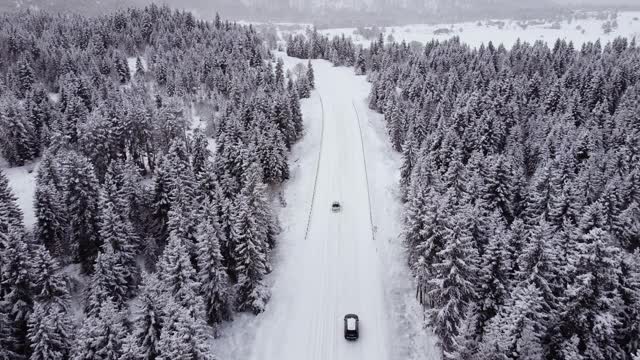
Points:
(351, 324)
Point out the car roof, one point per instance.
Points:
(351, 323)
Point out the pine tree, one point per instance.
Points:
(494, 274)
(130, 350)
(49, 284)
(296, 113)
(50, 332)
(395, 125)
(215, 284)
(25, 76)
(108, 281)
(285, 122)
(517, 332)
(148, 323)
(16, 298)
(629, 285)
(50, 210)
(178, 277)
(139, 68)
(200, 152)
(454, 280)
(161, 200)
(101, 336)
(279, 80)
(593, 299)
(81, 193)
(361, 65)
(122, 69)
(182, 336)
(409, 157)
(17, 137)
(310, 75)
(116, 230)
(497, 191)
(249, 253)
(10, 213)
(465, 343)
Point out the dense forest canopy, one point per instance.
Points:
(155, 209)
(521, 182)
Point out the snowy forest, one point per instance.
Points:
(521, 184)
(164, 239)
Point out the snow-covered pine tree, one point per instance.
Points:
(279, 79)
(122, 68)
(18, 141)
(310, 75)
(453, 284)
(628, 332)
(81, 194)
(25, 76)
(102, 335)
(465, 343)
(592, 299)
(147, 325)
(50, 329)
(296, 113)
(497, 190)
(182, 336)
(116, 230)
(178, 277)
(108, 281)
(200, 152)
(161, 200)
(283, 117)
(49, 206)
(517, 332)
(139, 68)
(16, 298)
(49, 284)
(538, 264)
(272, 153)
(215, 285)
(130, 350)
(409, 158)
(494, 283)
(10, 213)
(250, 256)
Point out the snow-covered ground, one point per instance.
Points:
(506, 32)
(22, 181)
(351, 261)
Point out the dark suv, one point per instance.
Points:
(351, 331)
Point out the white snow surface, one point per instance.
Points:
(578, 31)
(22, 181)
(351, 261)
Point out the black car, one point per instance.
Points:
(351, 330)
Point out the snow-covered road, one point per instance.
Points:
(350, 261)
(337, 269)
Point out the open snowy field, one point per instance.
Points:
(506, 32)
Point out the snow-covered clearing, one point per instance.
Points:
(346, 264)
(505, 32)
(22, 181)
(131, 63)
